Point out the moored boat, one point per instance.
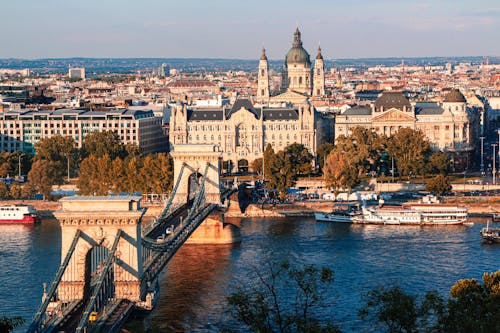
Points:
(18, 214)
(491, 235)
(429, 212)
(342, 213)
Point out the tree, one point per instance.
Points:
(16, 191)
(410, 150)
(322, 153)
(400, 312)
(282, 169)
(96, 176)
(8, 324)
(471, 307)
(256, 165)
(268, 160)
(474, 307)
(104, 143)
(439, 162)
(4, 190)
(364, 148)
(42, 176)
(157, 174)
(439, 185)
(58, 151)
(263, 308)
(340, 172)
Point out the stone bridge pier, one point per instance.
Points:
(214, 230)
(99, 219)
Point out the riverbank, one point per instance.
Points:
(476, 206)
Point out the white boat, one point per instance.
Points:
(19, 214)
(342, 213)
(428, 213)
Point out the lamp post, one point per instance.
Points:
(494, 170)
(19, 164)
(482, 153)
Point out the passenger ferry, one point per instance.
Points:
(21, 214)
(429, 212)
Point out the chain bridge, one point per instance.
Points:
(111, 260)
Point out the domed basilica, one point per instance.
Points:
(299, 78)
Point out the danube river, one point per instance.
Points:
(197, 280)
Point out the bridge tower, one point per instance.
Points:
(98, 221)
(196, 158)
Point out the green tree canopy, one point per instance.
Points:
(104, 143)
(322, 153)
(410, 149)
(58, 151)
(263, 309)
(282, 169)
(42, 176)
(364, 148)
(439, 162)
(439, 185)
(8, 324)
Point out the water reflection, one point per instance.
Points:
(192, 287)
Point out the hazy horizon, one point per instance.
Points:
(223, 29)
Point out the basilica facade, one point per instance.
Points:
(299, 78)
(243, 130)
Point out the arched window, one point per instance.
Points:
(300, 80)
(262, 72)
(318, 72)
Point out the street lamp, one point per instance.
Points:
(19, 164)
(494, 164)
(482, 153)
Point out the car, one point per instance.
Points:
(93, 316)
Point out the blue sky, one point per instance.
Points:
(239, 29)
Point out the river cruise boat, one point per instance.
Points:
(491, 235)
(18, 214)
(342, 213)
(423, 213)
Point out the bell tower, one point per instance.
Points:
(319, 75)
(263, 78)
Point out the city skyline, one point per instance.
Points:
(224, 29)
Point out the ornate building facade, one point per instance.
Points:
(242, 131)
(450, 126)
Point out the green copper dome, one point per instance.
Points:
(297, 54)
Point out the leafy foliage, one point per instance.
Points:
(439, 185)
(264, 309)
(104, 143)
(471, 307)
(101, 175)
(340, 171)
(43, 175)
(410, 150)
(282, 169)
(8, 324)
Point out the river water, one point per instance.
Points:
(195, 283)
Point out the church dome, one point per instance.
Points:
(455, 96)
(297, 54)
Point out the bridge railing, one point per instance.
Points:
(39, 316)
(102, 290)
